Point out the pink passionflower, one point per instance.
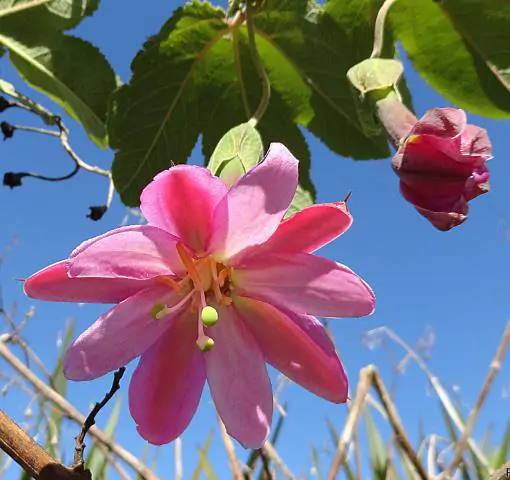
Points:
(212, 251)
(441, 164)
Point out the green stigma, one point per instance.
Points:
(209, 316)
(156, 310)
(205, 344)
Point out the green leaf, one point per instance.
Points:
(302, 199)
(502, 453)
(307, 53)
(349, 472)
(316, 463)
(452, 433)
(231, 59)
(202, 453)
(71, 71)
(58, 14)
(155, 120)
(238, 151)
(97, 462)
(196, 76)
(375, 73)
(377, 453)
(460, 48)
(203, 463)
(333, 433)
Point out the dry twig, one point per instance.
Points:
(90, 421)
(370, 377)
(72, 413)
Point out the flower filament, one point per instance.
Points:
(207, 279)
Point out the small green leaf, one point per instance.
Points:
(502, 452)
(57, 14)
(375, 74)
(377, 453)
(206, 465)
(302, 199)
(333, 433)
(202, 453)
(71, 71)
(452, 433)
(316, 463)
(155, 119)
(238, 151)
(460, 49)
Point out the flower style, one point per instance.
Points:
(441, 164)
(215, 286)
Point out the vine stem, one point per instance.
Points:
(380, 23)
(261, 71)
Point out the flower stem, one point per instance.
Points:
(380, 23)
(266, 85)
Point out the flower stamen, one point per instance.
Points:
(160, 310)
(171, 283)
(188, 263)
(222, 277)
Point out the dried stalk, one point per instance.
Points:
(486, 387)
(36, 461)
(71, 412)
(229, 447)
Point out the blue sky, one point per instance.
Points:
(453, 282)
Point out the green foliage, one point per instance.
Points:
(479, 472)
(459, 47)
(58, 14)
(238, 151)
(501, 454)
(375, 74)
(378, 455)
(203, 462)
(196, 76)
(71, 71)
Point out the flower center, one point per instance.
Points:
(210, 281)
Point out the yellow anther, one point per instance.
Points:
(189, 264)
(413, 139)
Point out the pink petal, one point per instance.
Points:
(237, 377)
(475, 142)
(298, 346)
(167, 384)
(137, 252)
(253, 208)
(115, 338)
(53, 284)
(305, 283)
(181, 201)
(445, 123)
(308, 230)
(445, 221)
